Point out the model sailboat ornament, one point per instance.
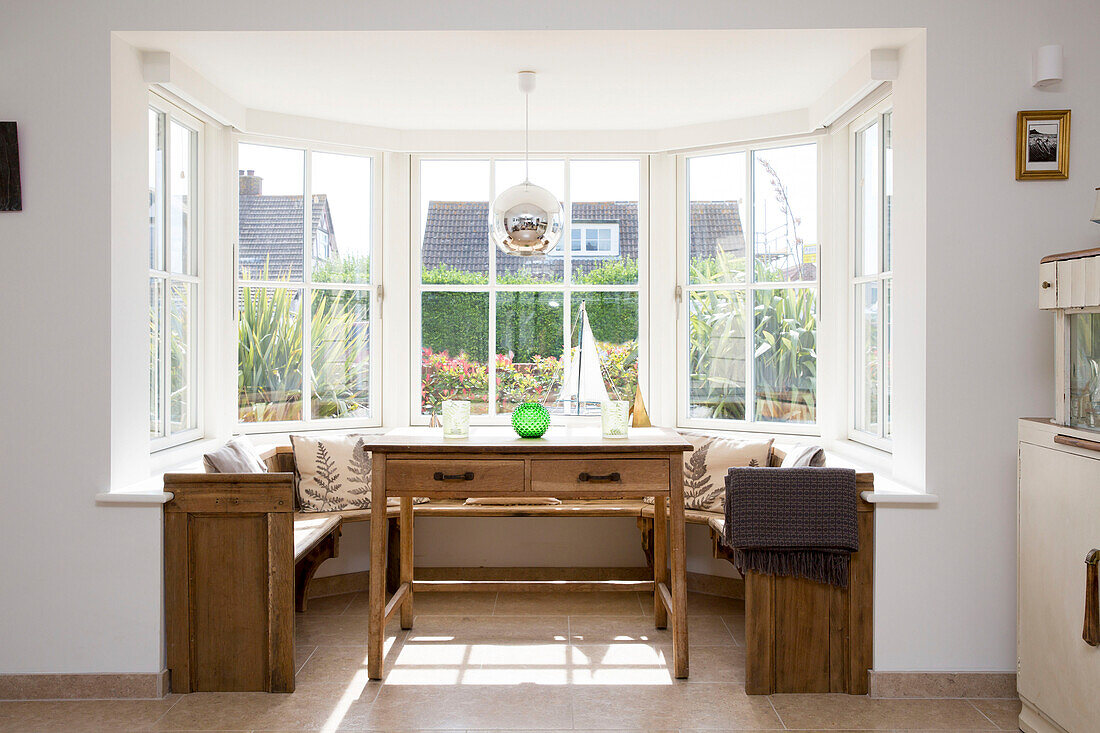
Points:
(583, 381)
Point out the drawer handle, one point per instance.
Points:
(440, 476)
(606, 478)
(1091, 632)
(1077, 442)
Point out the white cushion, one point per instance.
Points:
(706, 464)
(333, 473)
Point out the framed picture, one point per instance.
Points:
(1042, 144)
(11, 198)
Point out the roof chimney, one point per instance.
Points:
(249, 183)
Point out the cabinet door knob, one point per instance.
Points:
(1046, 284)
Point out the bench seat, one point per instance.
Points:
(316, 539)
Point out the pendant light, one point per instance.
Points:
(526, 219)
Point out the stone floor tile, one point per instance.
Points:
(463, 706)
(830, 712)
(488, 630)
(702, 630)
(81, 715)
(665, 706)
(1005, 714)
(569, 603)
(327, 604)
(457, 603)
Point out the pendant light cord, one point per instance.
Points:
(527, 137)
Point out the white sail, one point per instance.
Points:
(584, 377)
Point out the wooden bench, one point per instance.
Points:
(801, 636)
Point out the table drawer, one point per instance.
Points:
(455, 476)
(633, 476)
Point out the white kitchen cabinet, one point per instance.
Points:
(1059, 523)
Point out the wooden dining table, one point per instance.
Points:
(566, 463)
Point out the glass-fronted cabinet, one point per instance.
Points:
(1082, 370)
(1069, 285)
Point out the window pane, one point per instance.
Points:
(182, 402)
(606, 192)
(156, 364)
(529, 348)
(183, 190)
(340, 335)
(888, 357)
(269, 384)
(550, 174)
(785, 213)
(614, 320)
(342, 215)
(785, 354)
(716, 354)
(867, 200)
(454, 221)
(716, 238)
(867, 305)
(156, 190)
(888, 191)
(454, 344)
(271, 241)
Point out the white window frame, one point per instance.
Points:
(197, 225)
(684, 288)
(307, 286)
(882, 440)
(566, 287)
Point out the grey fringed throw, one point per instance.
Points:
(792, 521)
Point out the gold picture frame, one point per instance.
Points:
(1042, 144)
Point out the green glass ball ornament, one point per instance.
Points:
(531, 420)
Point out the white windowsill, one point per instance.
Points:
(187, 458)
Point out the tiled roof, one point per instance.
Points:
(270, 234)
(456, 233)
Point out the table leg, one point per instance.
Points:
(679, 567)
(660, 559)
(376, 631)
(407, 560)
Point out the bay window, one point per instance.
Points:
(872, 276)
(749, 285)
(306, 310)
(499, 329)
(175, 140)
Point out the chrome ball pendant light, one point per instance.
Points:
(526, 219)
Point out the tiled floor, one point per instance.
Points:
(483, 661)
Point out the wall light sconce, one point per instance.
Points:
(1046, 67)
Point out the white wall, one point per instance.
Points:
(81, 584)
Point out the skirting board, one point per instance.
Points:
(943, 684)
(715, 585)
(83, 686)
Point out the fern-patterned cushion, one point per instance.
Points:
(333, 473)
(706, 465)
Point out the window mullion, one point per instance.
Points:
(749, 289)
(491, 367)
(306, 306)
(881, 335)
(166, 288)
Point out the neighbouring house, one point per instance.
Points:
(271, 226)
(456, 235)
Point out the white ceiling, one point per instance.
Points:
(587, 80)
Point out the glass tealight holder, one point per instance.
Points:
(456, 418)
(613, 416)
